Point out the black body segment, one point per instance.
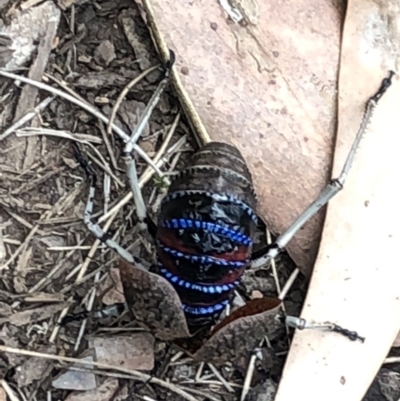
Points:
(205, 231)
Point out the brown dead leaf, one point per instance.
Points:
(135, 352)
(268, 88)
(237, 340)
(154, 302)
(355, 280)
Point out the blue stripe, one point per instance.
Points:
(206, 288)
(208, 227)
(205, 310)
(202, 259)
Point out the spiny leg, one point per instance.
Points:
(130, 164)
(94, 228)
(334, 186)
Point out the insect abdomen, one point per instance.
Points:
(205, 230)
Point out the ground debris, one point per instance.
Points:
(104, 392)
(386, 387)
(28, 316)
(34, 369)
(76, 379)
(134, 352)
(105, 53)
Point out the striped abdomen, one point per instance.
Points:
(205, 230)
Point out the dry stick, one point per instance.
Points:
(57, 269)
(25, 223)
(392, 359)
(139, 376)
(206, 396)
(108, 146)
(278, 286)
(27, 117)
(63, 85)
(9, 391)
(88, 108)
(289, 283)
(29, 131)
(157, 161)
(249, 376)
(123, 94)
(21, 247)
(220, 378)
(73, 137)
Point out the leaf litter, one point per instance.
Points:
(93, 51)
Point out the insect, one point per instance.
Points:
(207, 221)
(205, 230)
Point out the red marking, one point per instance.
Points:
(232, 274)
(166, 236)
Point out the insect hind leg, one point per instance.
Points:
(333, 187)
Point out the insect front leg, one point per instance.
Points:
(333, 187)
(130, 164)
(93, 227)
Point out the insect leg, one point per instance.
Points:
(334, 186)
(136, 133)
(94, 228)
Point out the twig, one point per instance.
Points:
(249, 376)
(220, 378)
(27, 117)
(124, 92)
(9, 391)
(86, 107)
(289, 284)
(139, 376)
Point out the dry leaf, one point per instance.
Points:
(154, 302)
(236, 341)
(355, 282)
(269, 89)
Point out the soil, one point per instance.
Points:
(45, 259)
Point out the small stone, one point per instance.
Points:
(105, 53)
